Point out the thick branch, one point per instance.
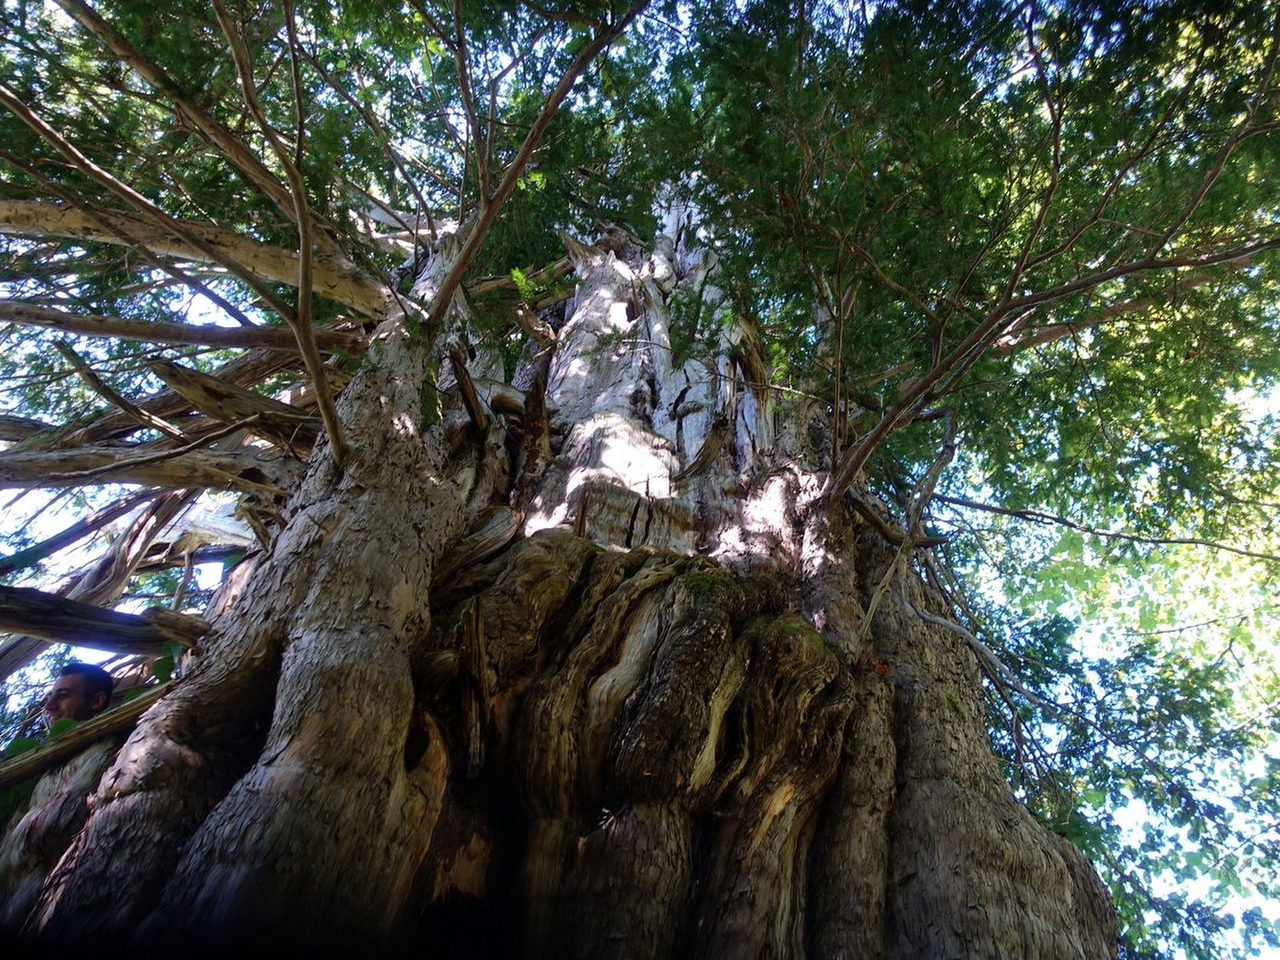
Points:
(276, 422)
(330, 279)
(47, 615)
(209, 335)
(173, 469)
(103, 390)
(14, 428)
(101, 582)
(245, 371)
(143, 204)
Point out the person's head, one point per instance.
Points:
(82, 690)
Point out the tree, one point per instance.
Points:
(611, 392)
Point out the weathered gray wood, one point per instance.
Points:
(40, 614)
(338, 281)
(284, 425)
(175, 469)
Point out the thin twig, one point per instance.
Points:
(1040, 516)
(490, 205)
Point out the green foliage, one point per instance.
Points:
(162, 669)
(1023, 207)
(1151, 743)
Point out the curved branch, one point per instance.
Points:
(100, 387)
(1039, 516)
(299, 318)
(231, 147)
(996, 324)
(195, 241)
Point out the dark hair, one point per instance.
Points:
(98, 679)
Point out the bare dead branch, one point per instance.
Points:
(77, 531)
(176, 468)
(100, 387)
(40, 614)
(276, 422)
(244, 371)
(20, 428)
(102, 581)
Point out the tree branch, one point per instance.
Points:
(489, 206)
(960, 360)
(47, 615)
(207, 335)
(77, 531)
(231, 147)
(178, 468)
(245, 370)
(195, 241)
(300, 317)
(126, 192)
(1039, 516)
(276, 422)
(128, 406)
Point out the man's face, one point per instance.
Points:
(70, 697)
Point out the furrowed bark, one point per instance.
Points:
(490, 692)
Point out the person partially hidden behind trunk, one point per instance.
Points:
(81, 691)
(39, 833)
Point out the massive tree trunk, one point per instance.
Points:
(583, 665)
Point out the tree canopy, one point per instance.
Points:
(1023, 257)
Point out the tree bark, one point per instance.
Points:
(503, 684)
(336, 280)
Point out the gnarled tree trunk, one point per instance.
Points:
(590, 667)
